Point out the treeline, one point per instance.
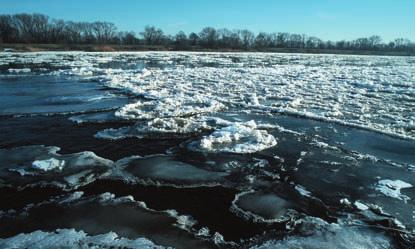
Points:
(40, 29)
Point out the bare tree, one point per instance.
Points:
(24, 23)
(128, 38)
(247, 38)
(104, 32)
(193, 39)
(152, 35)
(181, 41)
(209, 37)
(8, 32)
(262, 41)
(38, 28)
(229, 39)
(56, 31)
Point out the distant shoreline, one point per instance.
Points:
(23, 47)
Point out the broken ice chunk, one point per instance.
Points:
(48, 164)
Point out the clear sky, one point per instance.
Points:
(327, 19)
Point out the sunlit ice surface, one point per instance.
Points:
(207, 150)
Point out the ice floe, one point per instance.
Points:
(177, 106)
(263, 207)
(98, 214)
(159, 127)
(37, 164)
(392, 188)
(318, 234)
(165, 170)
(48, 164)
(70, 238)
(236, 138)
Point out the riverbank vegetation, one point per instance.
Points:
(34, 32)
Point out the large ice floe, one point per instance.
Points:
(160, 127)
(236, 138)
(92, 217)
(393, 188)
(43, 165)
(70, 238)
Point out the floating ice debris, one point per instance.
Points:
(19, 70)
(166, 127)
(360, 206)
(218, 238)
(72, 197)
(345, 201)
(185, 222)
(392, 188)
(323, 145)
(236, 138)
(170, 89)
(301, 189)
(252, 99)
(342, 89)
(96, 117)
(70, 238)
(48, 164)
(22, 171)
(318, 234)
(176, 106)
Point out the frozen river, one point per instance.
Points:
(206, 150)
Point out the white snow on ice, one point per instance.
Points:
(236, 138)
(48, 164)
(322, 235)
(372, 92)
(70, 238)
(392, 188)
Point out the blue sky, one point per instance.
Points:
(327, 19)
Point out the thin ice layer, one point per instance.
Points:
(320, 170)
(165, 170)
(48, 95)
(318, 234)
(263, 207)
